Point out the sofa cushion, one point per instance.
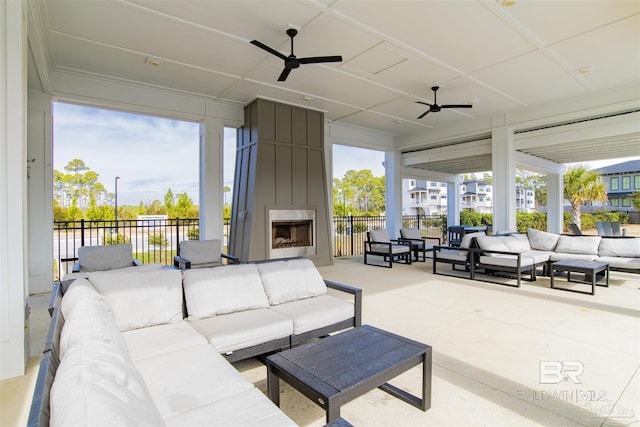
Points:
(141, 298)
(186, 379)
(561, 256)
(248, 408)
(506, 260)
(212, 291)
(492, 243)
(235, 331)
(291, 280)
(98, 258)
(161, 339)
(621, 262)
(517, 242)
(90, 320)
(466, 242)
(629, 247)
(313, 313)
(587, 245)
(97, 385)
(450, 255)
(202, 252)
(542, 240)
(78, 290)
(538, 256)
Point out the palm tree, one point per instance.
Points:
(583, 185)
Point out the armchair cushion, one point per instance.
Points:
(213, 291)
(291, 280)
(381, 235)
(151, 298)
(410, 233)
(208, 252)
(110, 257)
(466, 242)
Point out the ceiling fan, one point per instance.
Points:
(291, 61)
(434, 108)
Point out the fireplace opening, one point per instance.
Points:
(291, 234)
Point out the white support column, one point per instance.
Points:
(40, 195)
(453, 202)
(14, 334)
(504, 179)
(393, 192)
(211, 179)
(555, 202)
(328, 164)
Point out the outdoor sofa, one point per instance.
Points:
(523, 253)
(152, 346)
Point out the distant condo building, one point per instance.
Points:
(430, 197)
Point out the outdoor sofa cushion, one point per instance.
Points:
(291, 280)
(542, 240)
(586, 245)
(109, 257)
(247, 408)
(141, 298)
(314, 313)
(161, 339)
(213, 291)
(629, 248)
(243, 329)
(466, 242)
(621, 262)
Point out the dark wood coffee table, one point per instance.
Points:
(589, 268)
(337, 369)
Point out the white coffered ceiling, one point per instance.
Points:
(503, 59)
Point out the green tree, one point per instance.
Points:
(359, 192)
(169, 201)
(583, 185)
(225, 189)
(635, 199)
(184, 207)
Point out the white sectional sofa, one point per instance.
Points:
(148, 346)
(522, 253)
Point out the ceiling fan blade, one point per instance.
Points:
(319, 59)
(268, 49)
(284, 74)
(424, 103)
(456, 106)
(424, 114)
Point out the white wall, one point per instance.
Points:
(14, 347)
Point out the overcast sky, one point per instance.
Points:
(151, 154)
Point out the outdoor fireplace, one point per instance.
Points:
(291, 233)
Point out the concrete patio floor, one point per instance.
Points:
(491, 344)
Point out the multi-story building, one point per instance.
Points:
(430, 197)
(622, 180)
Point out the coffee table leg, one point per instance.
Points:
(333, 411)
(273, 386)
(426, 381)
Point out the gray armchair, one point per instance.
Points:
(100, 258)
(202, 254)
(378, 243)
(422, 244)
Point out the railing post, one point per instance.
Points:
(82, 232)
(177, 236)
(351, 233)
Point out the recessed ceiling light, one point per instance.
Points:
(153, 62)
(306, 98)
(508, 3)
(584, 70)
(398, 121)
(473, 101)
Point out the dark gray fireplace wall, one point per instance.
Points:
(279, 165)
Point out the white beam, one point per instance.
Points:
(537, 164)
(456, 151)
(429, 175)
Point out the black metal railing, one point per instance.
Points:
(156, 240)
(350, 232)
(152, 240)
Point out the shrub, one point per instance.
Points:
(158, 240)
(193, 233)
(119, 239)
